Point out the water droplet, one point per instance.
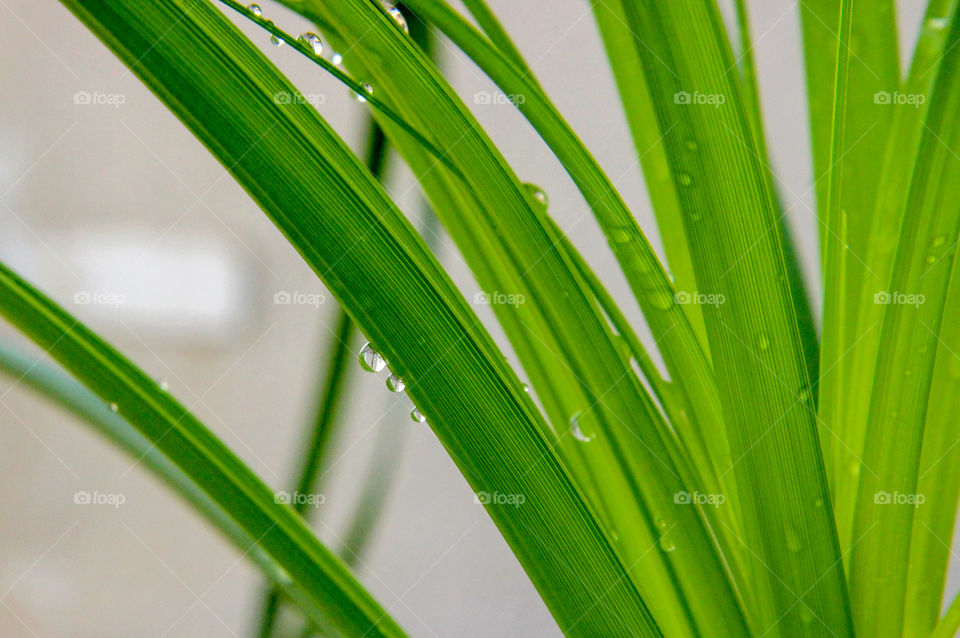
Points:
(691, 145)
(255, 9)
(793, 540)
(806, 616)
(937, 23)
(114, 407)
(938, 241)
(395, 383)
(336, 59)
(417, 416)
(371, 360)
(661, 300)
(366, 87)
(164, 385)
(314, 41)
(660, 523)
(763, 342)
(854, 468)
(537, 193)
(620, 234)
(526, 388)
(685, 179)
(397, 16)
(931, 259)
(276, 41)
(667, 545)
(818, 503)
(576, 431)
(614, 536)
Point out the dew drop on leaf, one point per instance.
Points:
(371, 360)
(114, 407)
(691, 145)
(793, 540)
(537, 193)
(667, 545)
(577, 431)
(164, 385)
(395, 383)
(255, 9)
(336, 59)
(397, 16)
(313, 40)
(938, 241)
(417, 416)
(661, 300)
(366, 87)
(276, 41)
(685, 179)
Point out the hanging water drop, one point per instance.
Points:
(576, 431)
(255, 9)
(537, 193)
(336, 59)
(371, 360)
(164, 385)
(114, 408)
(395, 383)
(938, 241)
(313, 40)
(366, 87)
(416, 415)
(276, 41)
(526, 388)
(397, 16)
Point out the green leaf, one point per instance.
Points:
(905, 363)
(342, 223)
(763, 378)
(846, 209)
(199, 454)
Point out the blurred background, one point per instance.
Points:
(110, 206)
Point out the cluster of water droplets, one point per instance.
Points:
(309, 38)
(373, 362)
